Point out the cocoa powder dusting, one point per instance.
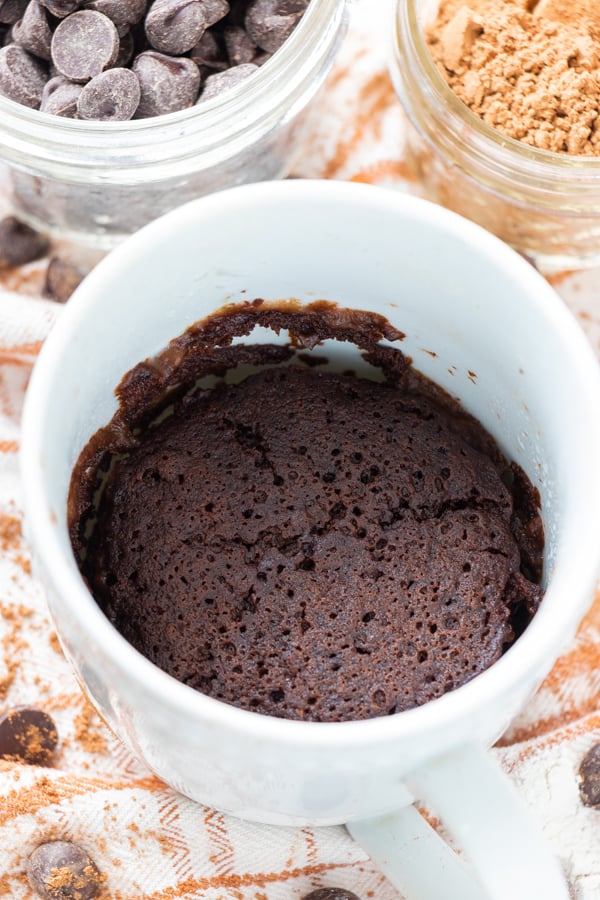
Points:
(54, 642)
(63, 882)
(529, 69)
(10, 532)
(12, 645)
(88, 731)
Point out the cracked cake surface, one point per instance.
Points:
(316, 546)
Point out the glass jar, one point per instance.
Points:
(96, 182)
(546, 205)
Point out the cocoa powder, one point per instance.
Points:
(530, 70)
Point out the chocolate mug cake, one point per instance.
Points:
(300, 542)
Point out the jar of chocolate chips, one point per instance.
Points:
(113, 112)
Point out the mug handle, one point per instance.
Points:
(507, 857)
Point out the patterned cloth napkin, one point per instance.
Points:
(148, 841)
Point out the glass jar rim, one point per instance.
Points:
(485, 140)
(250, 104)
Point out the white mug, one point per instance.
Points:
(455, 291)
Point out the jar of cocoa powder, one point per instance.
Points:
(97, 181)
(545, 204)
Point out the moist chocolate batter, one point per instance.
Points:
(305, 544)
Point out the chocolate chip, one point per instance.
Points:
(22, 77)
(62, 278)
(331, 894)
(61, 870)
(589, 771)
(32, 32)
(126, 50)
(12, 10)
(224, 81)
(27, 735)
(215, 10)
(171, 45)
(175, 26)
(60, 8)
(209, 55)
(84, 44)
(112, 96)
(121, 12)
(19, 244)
(167, 84)
(60, 97)
(240, 49)
(270, 22)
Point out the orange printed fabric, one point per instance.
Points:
(148, 841)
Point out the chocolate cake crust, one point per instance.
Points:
(315, 546)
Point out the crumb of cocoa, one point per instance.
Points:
(11, 535)
(23, 563)
(54, 642)
(88, 730)
(7, 682)
(9, 881)
(11, 532)
(63, 878)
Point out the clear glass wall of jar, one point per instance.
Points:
(96, 182)
(546, 205)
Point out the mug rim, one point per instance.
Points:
(544, 637)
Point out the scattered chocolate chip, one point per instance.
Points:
(589, 771)
(19, 244)
(32, 32)
(121, 12)
(61, 870)
(175, 26)
(22, 77)
(60, 97)
(12, 10)
(223, 81)
(270, 22)
(27, 735)
(62, 278)
(167, 84)
(112, 96)
(84, 45)
(331, 894)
